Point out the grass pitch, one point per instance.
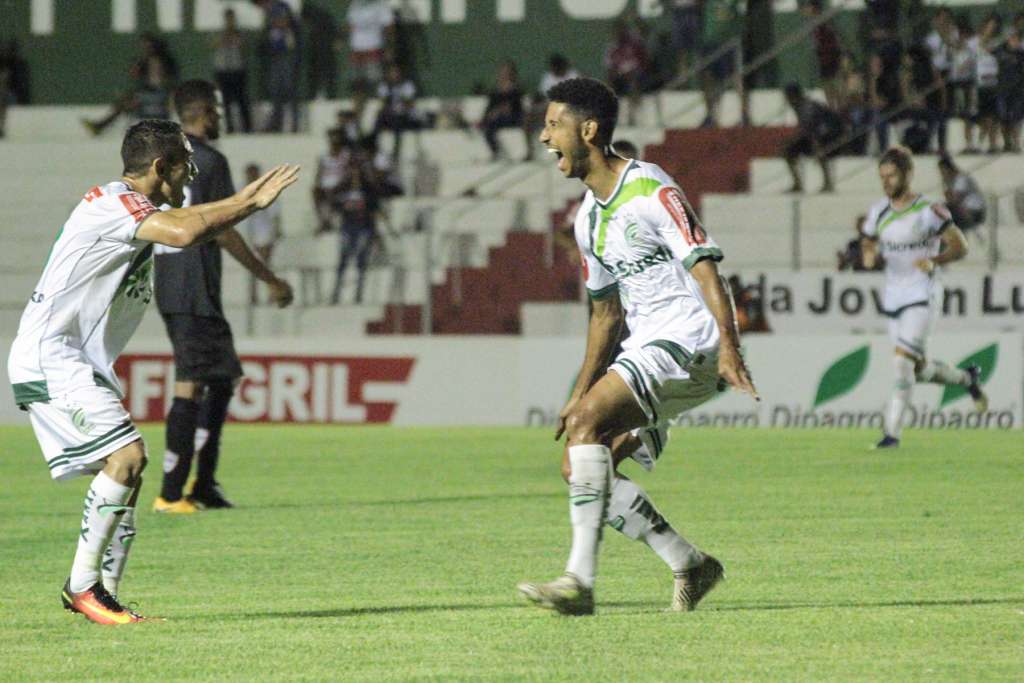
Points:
(371, 554)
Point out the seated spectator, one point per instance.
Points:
(559, 69)
(852, 257)
(963, 196)
(750, 315)
(398, 108)
(1011, 89)
(626, 61)
(819, 129)
(371, 34)
(263, 229)
(986, 78)
(229, 70)
(504, 108)
(356, 201)
(330, 172)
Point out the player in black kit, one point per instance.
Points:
(188, 283)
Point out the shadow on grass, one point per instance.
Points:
(647, 607)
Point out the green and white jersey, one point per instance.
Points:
(905, 237)
(89, 299)
(641, 244)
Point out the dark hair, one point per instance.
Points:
(589, 98)
(899, 156)
(793, 91)
(558, 62)
(150, 139)
(191, 93)
(625, 148)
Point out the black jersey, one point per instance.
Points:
(188, 280)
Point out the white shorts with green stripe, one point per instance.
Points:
(910, 327)
(79, 429)
(666, 380)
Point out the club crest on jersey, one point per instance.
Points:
(632, 233)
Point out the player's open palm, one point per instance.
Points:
(265, 189)
(733, 370)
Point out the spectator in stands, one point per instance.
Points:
(322, 37)
(152, 77)
(828, 49)
(1011, 89)
(884, 97)
(961, 79)
(386, 176)
(963, 196)
(397, 109)
(626, 61)
(721, 27)
(283, 50)
(263, 229)
(749, 302)
(504, 108)
(230, 73)
(410, 48)
(758, 40)
(357, 202)
(852, 256)
(685, 18)
(371, 34)
(880, 25)
(819, 130)
(330, 172)
(348, 125)
(854, 106)
(14, 81)
(559, 69)
(940, 43)
(986, 72)
(923, 95)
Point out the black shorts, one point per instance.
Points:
(988, 104)
(203, 348)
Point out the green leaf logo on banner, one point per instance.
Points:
(984, 359)
(842, 376)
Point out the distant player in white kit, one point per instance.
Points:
(647, 262)
(89, 300)
(915, 236)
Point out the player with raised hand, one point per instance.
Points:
(88, 302)
(649, 264)
(915, 236)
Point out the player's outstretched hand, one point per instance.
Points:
(281, 293)
(265, 189)
(733, 370)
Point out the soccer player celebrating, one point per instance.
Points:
(646, 261)
(916, 237)
(86, 306)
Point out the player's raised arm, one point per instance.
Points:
(730, 363)
(194, 224)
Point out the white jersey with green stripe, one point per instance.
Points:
(640, 244)
(89, 300)
(905, 237)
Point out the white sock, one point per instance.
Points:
(104, 504)
(588, 504)
(937, 372)
(901, 390)
(116, 556)
(631, 512)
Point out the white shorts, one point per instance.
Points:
(910, 328)
(79, 429)
(666, 381)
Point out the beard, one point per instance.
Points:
(579, 159)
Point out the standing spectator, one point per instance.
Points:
(961, 79)
(884, 97)
(880, 24)
(854, 106)
(940, 44)
(986, 73)
(398, 108)
(321, 60)
(828, 49)
(330, 172)
(559, 69)
(1011, 89)
(818, 130)
(263, 229)
(348, 125)
(230, 73)
(504, 108)
(283, 51)
(410, 47)
(721, 22)
(14, 81)
(964, 199)
(357, 202)
(685, 17)
(923, 95)
(758, 40)
(627, 62)
(371, 33)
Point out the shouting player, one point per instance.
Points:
(87, 304)
(916, 237)
(648, 263)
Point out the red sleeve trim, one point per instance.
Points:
(138, 206)
(672, 200)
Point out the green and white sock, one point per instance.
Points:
(105, 503)
(588, 504)
(631, 512)
(116, 556)
(937, 372)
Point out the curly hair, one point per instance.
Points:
(589, 98)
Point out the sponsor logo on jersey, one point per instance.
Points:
(622, 269)
(906, 246)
